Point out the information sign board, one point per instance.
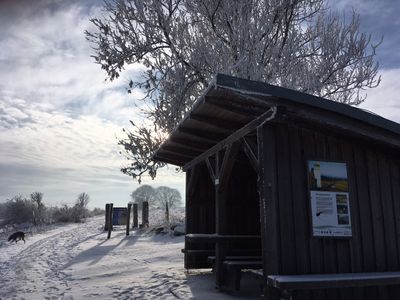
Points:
(329, 196)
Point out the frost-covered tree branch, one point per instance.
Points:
(297, 44)
(139, 145)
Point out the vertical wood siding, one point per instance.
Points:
(374, 185)
(200, 203)
(200, 213)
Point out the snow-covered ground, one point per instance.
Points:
(77, 261)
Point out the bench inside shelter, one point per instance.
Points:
(233, 267)
(233, 272)
(231, 260)
(285, 285)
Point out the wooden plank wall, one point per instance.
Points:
(374, 183)
(200, 213)
(200, 201)
(242, 205)
(243, 213)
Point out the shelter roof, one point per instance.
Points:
(229, 103)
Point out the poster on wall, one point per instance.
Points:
(329, 195)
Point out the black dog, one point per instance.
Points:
(16, 236)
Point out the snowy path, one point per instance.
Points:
(78, 262)
(34, 270)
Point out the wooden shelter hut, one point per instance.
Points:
(303, 189)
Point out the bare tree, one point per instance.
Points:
(18, 210)
(82, 200)
(144, 193)
(168, 198)
(38, 208)
(297, 44)
(80, 210)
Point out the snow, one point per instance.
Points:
(76, 261)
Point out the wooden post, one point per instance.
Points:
(220, 246)
(220, 175)
(110, 220)
(135, 216)
(166, 212)
(107, 224)
(268, 205)
(128, 217)
(189, 221)
(145, 214)
(220, 224)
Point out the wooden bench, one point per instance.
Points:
(198, 251)
(211, 259)
(207, 257)
(224, 246)
(197, 259)
(286, 284)
(232, 252)
(213, 237)
(233, 271)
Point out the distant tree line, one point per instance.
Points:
(164, 197)
(32, 210)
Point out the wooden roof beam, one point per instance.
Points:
(250, 153)
(189, 144)
(268, 115)
(243, 111)
(181, 150)
(209, 137)
(169, 159)
(178, 154)
(260, 100)
(248, 102)
(219, 124)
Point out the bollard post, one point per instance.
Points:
(166, 212)
(110, 220)
(128, 217)
(135, 216)
(107, 217)
(145, 214)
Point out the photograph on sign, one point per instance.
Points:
(329, 195)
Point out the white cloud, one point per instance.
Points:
(380, 19)
(364, 7)
(63, 156)
(58, 116)
(47, 60)
(385, 99)
(54, 139)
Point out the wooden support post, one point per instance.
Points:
(268, 202)
(128, 217)
(221, 246)
(110, 220)
(145, 214)
(222, 172)
(220, 225)
(135, 216)
(107, 224)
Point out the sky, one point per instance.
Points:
(60, 119)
